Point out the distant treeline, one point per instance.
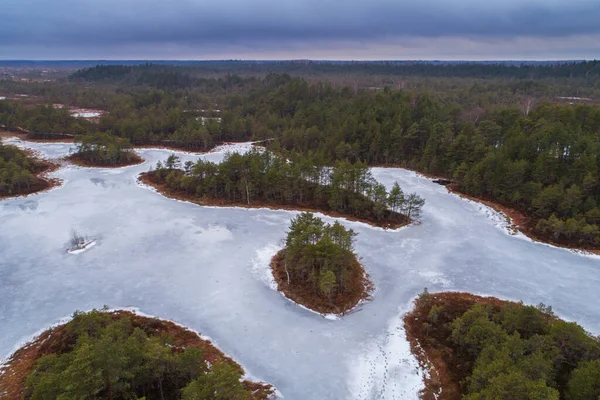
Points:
(169, 76)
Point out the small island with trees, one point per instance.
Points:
(104, 150)
(22, 174)
(318, 267)
(79, 243)
(121, 355)
(262, 179)
(484, 348)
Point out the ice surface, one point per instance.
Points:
(201, 267)
(387, 370)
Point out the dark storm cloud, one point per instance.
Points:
(273, 23)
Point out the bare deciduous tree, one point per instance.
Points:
(527, 105)
(77, 240)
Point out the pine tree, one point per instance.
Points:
(327, 283)
(396, 198)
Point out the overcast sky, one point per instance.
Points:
(292, 29)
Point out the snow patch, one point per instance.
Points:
(585, 253)
(241, 148)
(176, 152)
(204, 119)
(86, 114)
(387, 369)
(261, 265)
(499, 219)
(329, 317)
(86, 246)
(143, 185)
(574, 98)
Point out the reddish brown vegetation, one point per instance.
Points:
(149, 179)
(58, 340)
(432, 345)
(359, 288)
(519, 221)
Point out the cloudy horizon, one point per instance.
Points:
(308, 29)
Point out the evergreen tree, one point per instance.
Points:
(318, 254)
(396, 198)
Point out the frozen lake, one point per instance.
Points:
(205, 268)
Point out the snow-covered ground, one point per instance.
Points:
(203, 267)
(87, 114)
(573, 98)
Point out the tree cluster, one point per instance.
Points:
(17, 171)
(101, 149)
(107, 358)
(319, 256)
(518, 352)
(543, 161)
(156, 118)
(259, 176)
(40, 121)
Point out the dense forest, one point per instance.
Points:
(262, 178)
(211, 82)
(18, 172)
(510, 136)
(40, 121)
(183, 75)
(484, 349)
(318, 267)
(102, 149)
(543, 160)
(99, 355)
